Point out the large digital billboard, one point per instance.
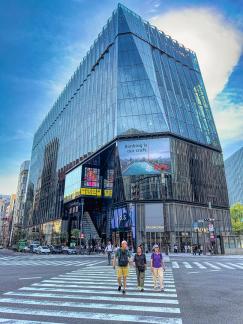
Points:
(123, 219)
(148, 156)
(91, 178)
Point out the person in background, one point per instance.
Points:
(109, 250)
(140, 264)
(124, 257)
(157, 267)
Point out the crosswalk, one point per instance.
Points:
(46, 261)
(205, 265)
(90, 294)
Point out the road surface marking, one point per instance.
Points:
(224, 265)
(119, 299)
(175, 265)
(212, 265)
(93, 316)
(187, 265)
(199, 265)
(142, 308)
(90, 291)
(29, 278)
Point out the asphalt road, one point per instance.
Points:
(82, 289)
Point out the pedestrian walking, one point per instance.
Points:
(140, 264)
(109, 250)
(124, 257)
(157, 267)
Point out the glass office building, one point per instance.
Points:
(234, 177)
(130, 143)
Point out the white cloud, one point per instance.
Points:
(228, 119)
(8, 183)
(217, 43)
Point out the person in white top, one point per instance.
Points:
(109, 250)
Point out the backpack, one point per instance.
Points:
(122, 258)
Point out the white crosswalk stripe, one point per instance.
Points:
(204, 265)
(46, 260)
(91, 295)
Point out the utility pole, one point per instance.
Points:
(81, 222)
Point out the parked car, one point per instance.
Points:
(56, 249)
(33, 248)
(26, 249)
(1, 247)
(43, 250)
(69, 250)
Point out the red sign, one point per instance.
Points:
(81, 235)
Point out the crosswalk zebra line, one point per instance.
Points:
(199, 265)
(175, 265)
(235, 265)
(160, 300)
(78, 286)
(14, 321)
(93, 300)
(143, 308)
(97, 280)
(212, 265)
(187, 265)
(224, 265)
(100, 284)
(89, 291)
(93, 316)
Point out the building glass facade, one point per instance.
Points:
(135, 86)
(234, 177)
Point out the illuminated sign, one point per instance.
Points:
(107, 193)
(90, 192)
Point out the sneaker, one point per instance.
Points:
(124, 291)
(142, 289)
(162, 289)
(155, 287)
(139, 288)
(119, 288)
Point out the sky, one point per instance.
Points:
(43, 41)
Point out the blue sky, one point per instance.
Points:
(43, 41)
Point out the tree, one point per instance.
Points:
(64, 237)
(75, 234)
(236, 214)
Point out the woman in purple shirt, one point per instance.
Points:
(157, 267)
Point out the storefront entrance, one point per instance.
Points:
(119, 236)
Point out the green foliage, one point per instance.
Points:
(236, 214)
(75, 233)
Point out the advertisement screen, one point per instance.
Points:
(148, 156)
(108, 181)
(91, 177)
(123, 219)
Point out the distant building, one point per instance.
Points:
(4, 203)
(18, 215)
(234, 177)
(7, 221)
